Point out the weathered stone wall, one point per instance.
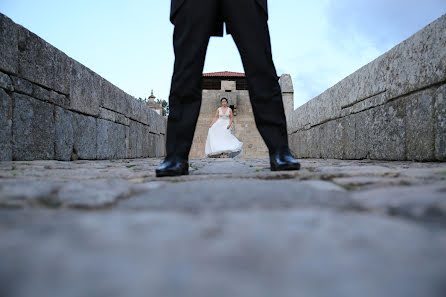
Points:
(53, 107)
(393, 108)
(243, 127)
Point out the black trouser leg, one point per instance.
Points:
(249, 29)
(193, 24)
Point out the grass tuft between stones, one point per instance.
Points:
(49, 201)
(351, 187)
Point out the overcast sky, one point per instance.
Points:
(130, 42)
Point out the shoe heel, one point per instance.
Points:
(185, 171)
(273, 167)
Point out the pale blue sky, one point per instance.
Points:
(317, 42)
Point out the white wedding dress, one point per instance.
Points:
(220, 140)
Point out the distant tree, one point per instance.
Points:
(165, 106)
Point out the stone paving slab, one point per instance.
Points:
(235, 194)
(230, 228)
(310, 252)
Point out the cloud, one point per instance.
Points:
(336, 38)
(384, 21)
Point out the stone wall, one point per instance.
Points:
(393, 108)
(243, 127)
(53, 107)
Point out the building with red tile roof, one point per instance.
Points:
(224, 74)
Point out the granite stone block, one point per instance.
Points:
(143, 111)
(135, 140)
(109, 96)
(420, 140)
(440, 123)
(288, 105)
(5, 82)
(330, 140)
(419, 61)
(294, 141)
(145, 114)
(5, 126)
(59, 99)
(314, 139)
(42, 63)
(323, 140)
(107, 114)
(114, 98)
(348, 137)
(163, 145)
(127, 142)
(123, 103)
(135, 112)
(22, 85)
(33, 130)
(286, 83)
(65, 130)
(40, 93)
(85, 90)
(159, 123)
(132, 140)
(158, 145)
(228, 85)
(363, 132)
(163, 126)
(145, 141)
(122, 119)
(388, 132)
(139, 139)
(298, 142)
(111, 140)
(337, 139)
(154, 122)
(152, 145)
(85, 136)
(307, 143)
(367, 82)
(8, 45)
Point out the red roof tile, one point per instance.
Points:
(224, 74)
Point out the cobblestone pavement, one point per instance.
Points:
(230, 228)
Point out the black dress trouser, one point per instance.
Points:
(247, 21)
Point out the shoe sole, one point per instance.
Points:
(285, 167)
(161, 173)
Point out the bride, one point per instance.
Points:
(220, 140)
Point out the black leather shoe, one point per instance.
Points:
(283, 160)
(173, 167)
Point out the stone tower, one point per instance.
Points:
(157, 107)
